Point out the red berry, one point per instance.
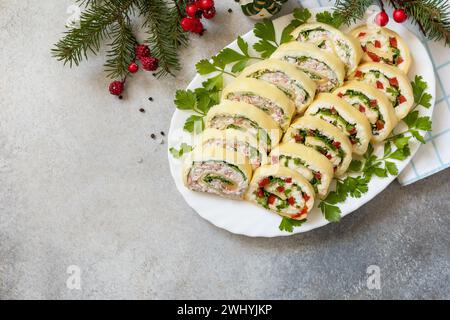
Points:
(133, 67)
(399, 15)
(382, 18)
(141, 51)
(205, 4)
(187, 24)
(198, 26)
(191, 9)
(149, 63)
(116, 88)
(209, 14)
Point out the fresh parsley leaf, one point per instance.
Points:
(391, 168)
(301, 14)
(331, 212)
(420, 96)
(239, 66)
(185, 99)
(355, 166)
(335, 19)
(380, 172)
(423, 123)
(265, 30)
(401, 141)
(401, 154)
(286, 34)
(265, 48)
(229, 55)
(205, 67)
(411, 118)
(242, 45)
(288, 224)
(387, 148)
(194, 124)
(418, 136)
(213, 83)
(184, 148)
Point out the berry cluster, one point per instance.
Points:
(195, 10)
(149, 63)
(382, 18)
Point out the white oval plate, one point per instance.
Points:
(244, 218)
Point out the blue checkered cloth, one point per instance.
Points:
(433, 156)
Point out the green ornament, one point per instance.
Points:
(260, 9)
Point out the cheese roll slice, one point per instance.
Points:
(391, 81)
(217, 171)
(236, 140)
(311, 164)
(339, 113)
(281, 190)
(374, 104)
(325, 138)
(330, 39)
(286, 77)
(383, 45)
(246, 118)
(264, 96)
(323, 67)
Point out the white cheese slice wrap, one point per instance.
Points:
(330, 39)
(383, 45)
(236, 140)
(373, 104)
(217, 170)
(246, 118)
(311, 164)
(326, 69)
(264, 96)
(281, 190)
(286, 77)
(350, 121)
(389, 80)
(325, 138)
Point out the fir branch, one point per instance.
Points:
(352, 10)
(164, 34)
(432, 15)
(122, 49)
(95, 22)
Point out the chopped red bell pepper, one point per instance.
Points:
(340, 94)
(373, 56)
(361, 34)
(298, 138)
(393, 82)
(280, 189)
(306, 197)
(288, 180)
(358, 73)
(352, 130)
(264, 182)
(401, 99)
(291, 201)
(379, 85)
(377, 44)
(318, 175)
(399, 60)
(373, 103)
(393, 42)
(364, 48)
(361, 108)
(271, 199)
(333, 110)
(260, 193)
(328, 156)
(337, 144)
(379, 124)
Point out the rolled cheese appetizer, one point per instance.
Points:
(311, 164)
(246, 118)
(325, 138)
(383, 45)
(323, 67)
(281, 190)
(218, 171)
(371, 102)
(264, 96)
(236, 140)
(391, 81)
(339, 113)
(286, 77)
(330, 39)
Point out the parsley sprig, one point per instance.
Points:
(199, 100)
(288, 224)
(178, 153)
(334, 19)
(219, 62)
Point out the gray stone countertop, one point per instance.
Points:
(82, 184)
